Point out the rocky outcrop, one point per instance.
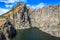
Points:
(7, 31)
(47, 19)
(21, 18)
(2, 36)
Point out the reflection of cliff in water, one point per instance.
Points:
(33, 34)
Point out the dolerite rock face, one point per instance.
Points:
(46, 19)
(7, 31)
(2, 36)
(21, 18)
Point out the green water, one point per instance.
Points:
(33, 34)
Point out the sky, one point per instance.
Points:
(6, 5)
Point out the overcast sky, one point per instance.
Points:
(6, 5)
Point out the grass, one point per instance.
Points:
(1, 16)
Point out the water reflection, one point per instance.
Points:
(33, 34)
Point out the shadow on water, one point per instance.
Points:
(33, 34)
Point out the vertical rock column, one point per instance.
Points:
(25, 18)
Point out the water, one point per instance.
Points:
(33, 34)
